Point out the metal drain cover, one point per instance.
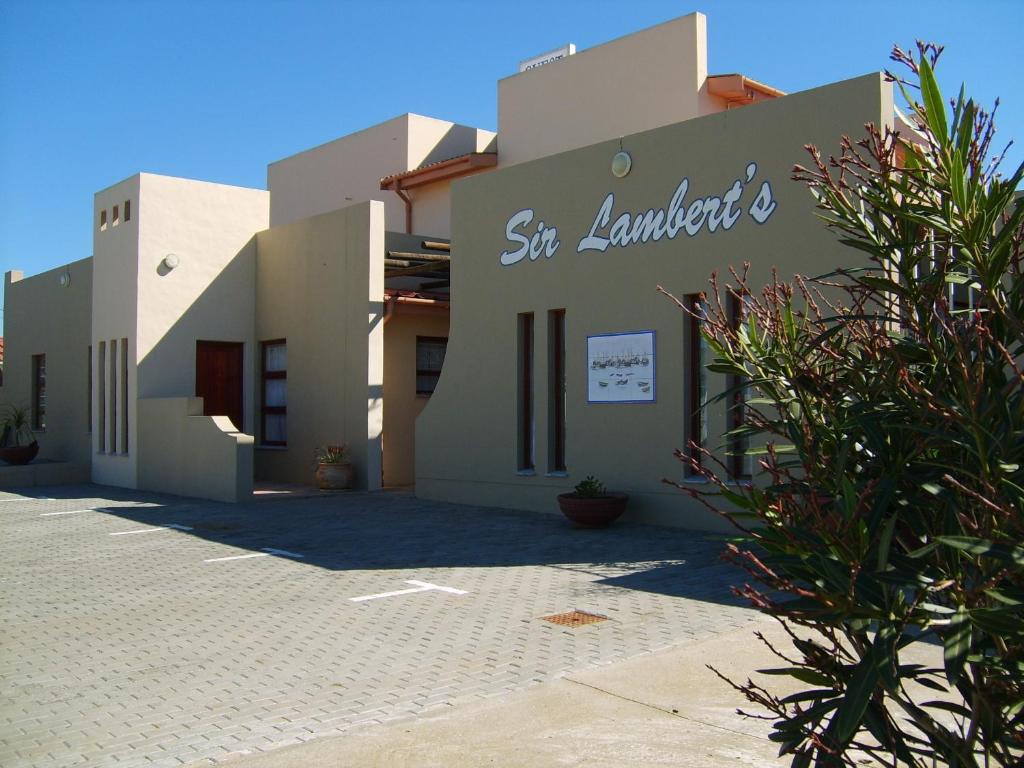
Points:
(575, 618)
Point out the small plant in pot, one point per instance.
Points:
(333, 468)
(17, 443)
(591, 505)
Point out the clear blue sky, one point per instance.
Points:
(93, 92)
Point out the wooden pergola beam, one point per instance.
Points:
(435, 245)
(419, 269)
(418, 256)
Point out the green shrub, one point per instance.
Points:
(590, 488)
(888, 404)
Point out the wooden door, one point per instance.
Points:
(219, 379)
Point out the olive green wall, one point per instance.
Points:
(320, 286)
(466, 438)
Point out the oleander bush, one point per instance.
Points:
(885, 405)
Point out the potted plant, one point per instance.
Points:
(333, 468)
(591, 505)
(17, 443)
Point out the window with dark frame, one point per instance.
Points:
(274, 393)
(556, 390)
(127, 210)
(695, 401)
(430, 352)
(525, 431)
(39, 392)
(738, 461)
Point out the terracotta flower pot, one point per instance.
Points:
(19, 454)
(595, 512)
(334, 477)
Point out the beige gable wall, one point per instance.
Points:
(210, 295)
(115, 294)
(320, 286)
(348, 170)
(162, 312)
(644, 80)
(467, 436)
(44, 317)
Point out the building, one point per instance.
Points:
(317, 311)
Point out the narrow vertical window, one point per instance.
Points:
(101, 398)
(112, 414)
(737, 444)
(115, 219)
(525, 430)
(695, 396)
(127, 210)
(124, 395)
(430, 353)
(274, 397)
(88, 389)
(103, 219)
(39, 392)
(556, 390)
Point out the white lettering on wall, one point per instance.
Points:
(543, 241)
(712, 213)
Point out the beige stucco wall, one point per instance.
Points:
(348, 170)
(466, 437)
(209, 295)
(402, 405)
(320, 286)
(115, 293)
(644, 80)
(196, 455)
(43, 317)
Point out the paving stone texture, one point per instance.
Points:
(132, 650)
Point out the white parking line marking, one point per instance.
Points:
(71, 512)
(281, 552)
(420, 586)
(236, 557)
(169, 526)
(266, 552)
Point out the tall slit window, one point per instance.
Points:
(556, 390)
(738, 461)
(112, 413)
(430, 351)
(124, 395)
(38, 391)
(101, 398)
(525, 428)
(88, 389)
(274, 400)
(696, 392)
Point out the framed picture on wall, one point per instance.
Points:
(620, 367)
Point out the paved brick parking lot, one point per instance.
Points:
(147, 630)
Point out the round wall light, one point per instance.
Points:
(171, 261)
(621, 164)
(65, 279)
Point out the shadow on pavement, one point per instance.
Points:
(395, 530)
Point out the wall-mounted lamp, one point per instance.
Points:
(65, 279)
(170, 261)
(621, 163)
